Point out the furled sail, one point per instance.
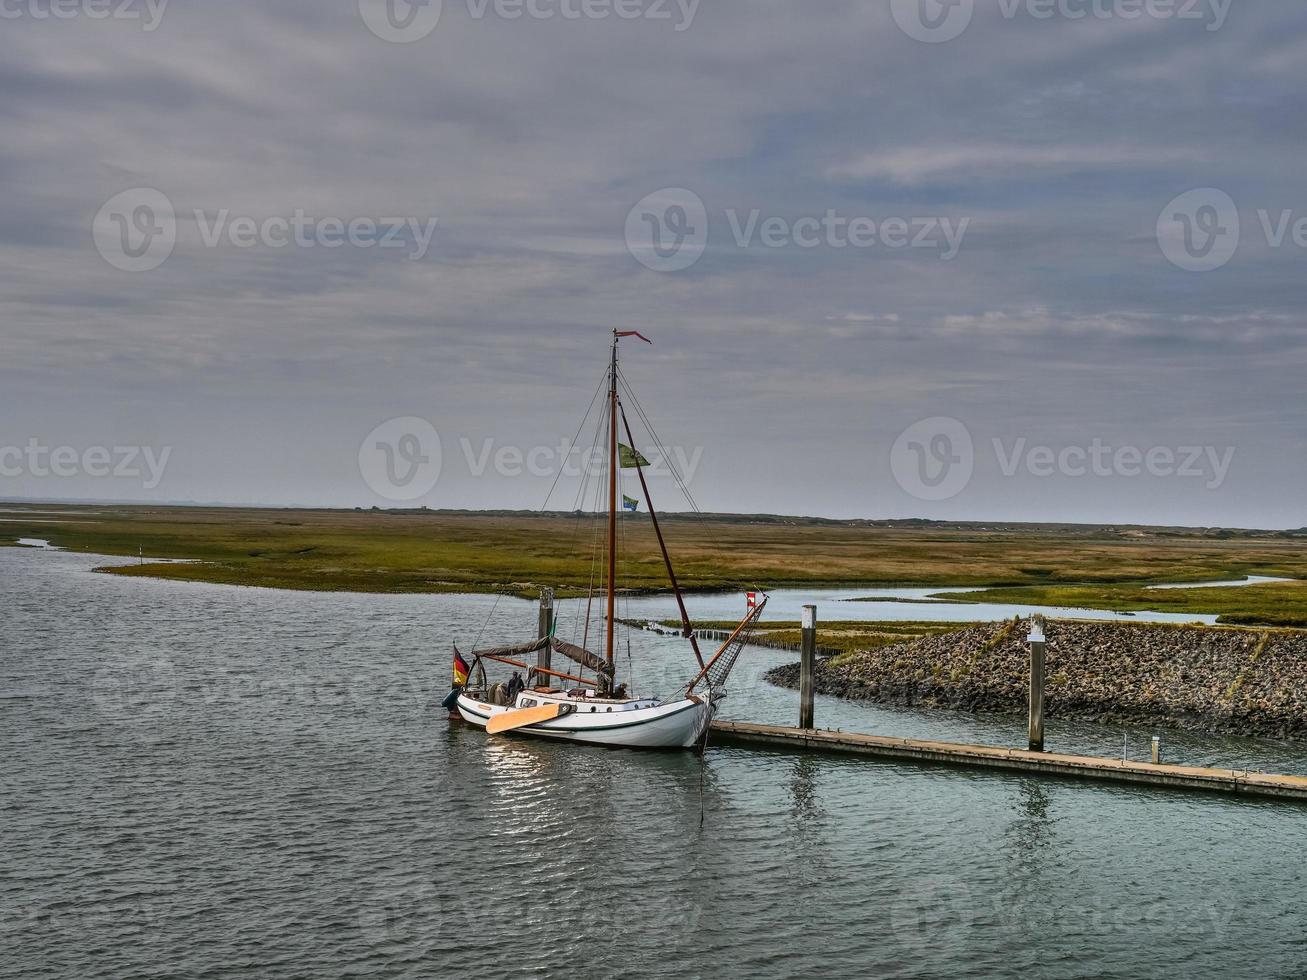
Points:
(584, 657)
(520, 650)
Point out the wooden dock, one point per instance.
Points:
(1233, 782)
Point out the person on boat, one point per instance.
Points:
(515, 687)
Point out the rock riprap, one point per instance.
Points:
(1249, 682)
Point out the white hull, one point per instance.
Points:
(645, 725)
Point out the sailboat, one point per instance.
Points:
(598, 709)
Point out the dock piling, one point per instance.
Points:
(1157, 750)
(544, 658)
(808, 668)
(1037, 684)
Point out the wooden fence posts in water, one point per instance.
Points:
(808, 667)
(1037, 684)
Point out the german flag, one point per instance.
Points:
(461, 669)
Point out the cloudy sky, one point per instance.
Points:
(1007, 260)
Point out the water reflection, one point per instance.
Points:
(803, 790)
(1032, 833)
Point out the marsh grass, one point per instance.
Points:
(444, 551)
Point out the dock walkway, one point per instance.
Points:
(1235, 782)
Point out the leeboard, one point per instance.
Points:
(524, 717)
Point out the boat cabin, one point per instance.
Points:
(582, 702)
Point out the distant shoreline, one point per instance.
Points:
(426, 551)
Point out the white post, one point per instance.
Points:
(1036, 641)
(808, 667)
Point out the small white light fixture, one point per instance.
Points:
(1037, 629)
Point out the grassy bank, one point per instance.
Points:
(1270, 604)
(430, 551)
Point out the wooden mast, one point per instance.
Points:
(687, 629)
(613, 464)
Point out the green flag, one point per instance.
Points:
(629, 457)
(630, 503)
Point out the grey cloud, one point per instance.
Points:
(1059, 318)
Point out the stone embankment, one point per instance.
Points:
(1249, 682)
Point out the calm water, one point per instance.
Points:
(212, 782)
(834, 604)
